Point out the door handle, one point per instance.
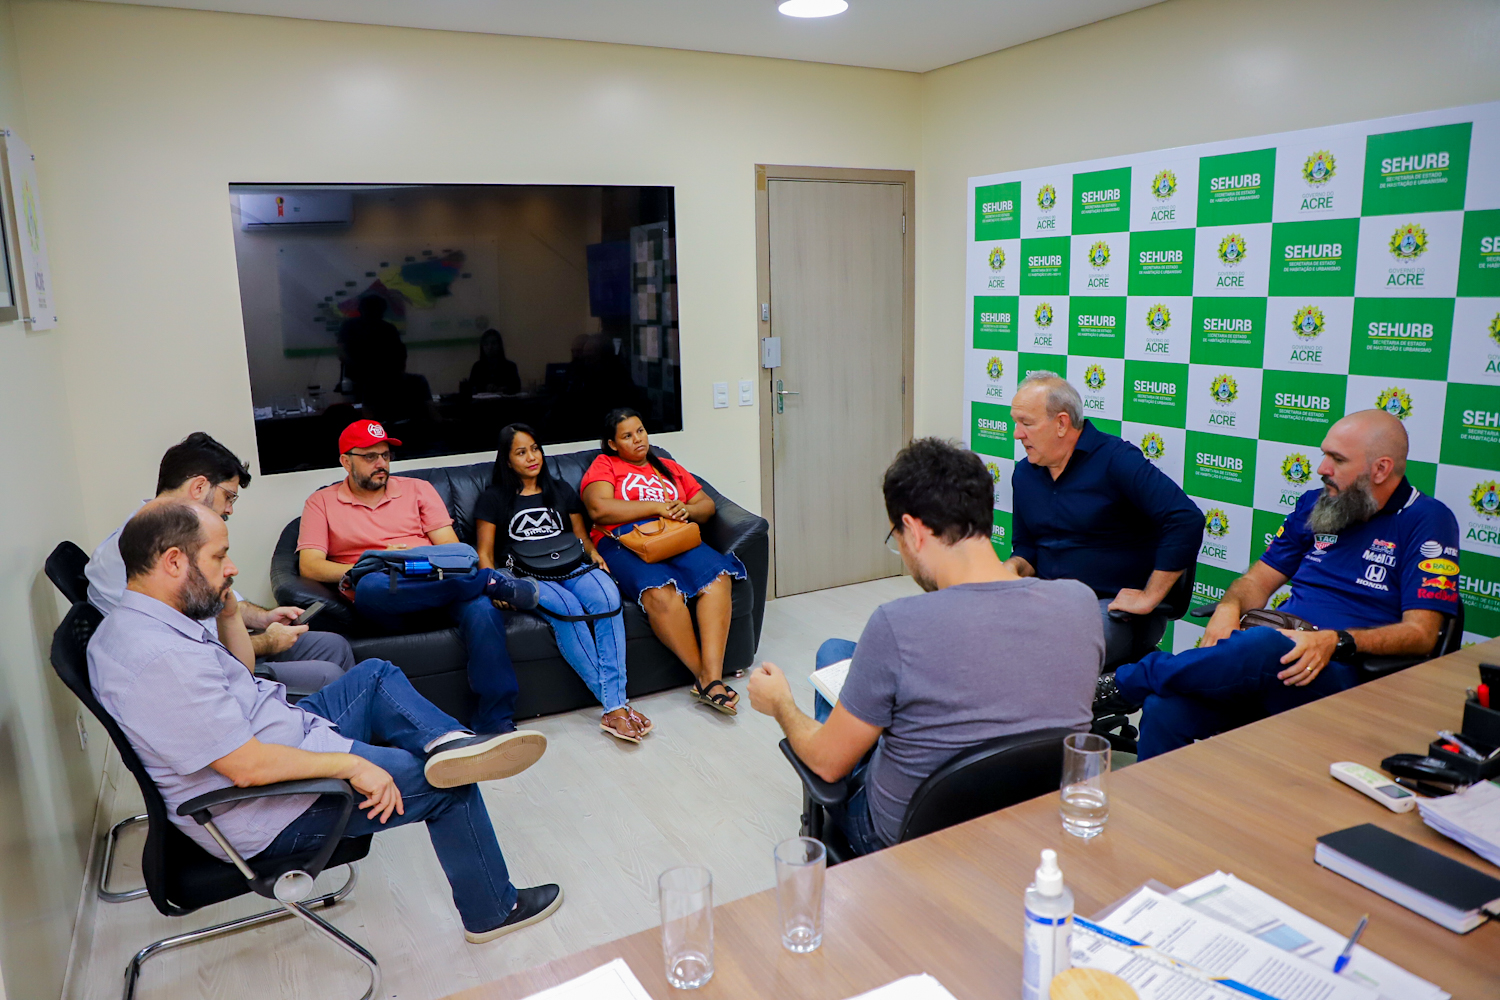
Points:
(780, 392)
(787, 392)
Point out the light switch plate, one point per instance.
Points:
(747, 392)
(721, 395)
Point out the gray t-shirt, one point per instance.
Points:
(185, 701)
(949, 669)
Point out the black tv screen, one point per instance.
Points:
(447, 311)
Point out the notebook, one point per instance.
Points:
(1444, 891)
(830, 680)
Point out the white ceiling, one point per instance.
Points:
(913, 35)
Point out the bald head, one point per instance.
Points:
(177, 551)
(162, 524)
(1364, 453)
(1377, 435)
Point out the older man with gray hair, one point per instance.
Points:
(1090, 507)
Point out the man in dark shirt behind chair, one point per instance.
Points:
(1090, 507)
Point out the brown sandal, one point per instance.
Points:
(628, 731)
(719, 702)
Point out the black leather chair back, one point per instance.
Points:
(1180, 596)
(992, 775)
(64, 567)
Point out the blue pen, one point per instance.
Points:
(1342, 961)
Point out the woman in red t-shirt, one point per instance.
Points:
(628, 484)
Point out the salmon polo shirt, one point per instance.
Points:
(334, 521)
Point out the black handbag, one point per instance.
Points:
(555, 558)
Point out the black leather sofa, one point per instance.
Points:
(432, 653)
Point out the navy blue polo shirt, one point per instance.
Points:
(1109, 520)
(1367, 575)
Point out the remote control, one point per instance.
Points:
(1374, 784)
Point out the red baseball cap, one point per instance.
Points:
(364, 434)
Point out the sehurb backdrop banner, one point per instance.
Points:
(1220, 306)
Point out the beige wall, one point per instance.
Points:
(143, 116)
(48, 784)
(1181, 72)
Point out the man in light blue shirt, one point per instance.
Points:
(200, 721)
(201, 469)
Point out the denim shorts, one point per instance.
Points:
(690, 572)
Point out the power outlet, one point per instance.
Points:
(747, 392)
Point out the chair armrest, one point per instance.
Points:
(820, 792)
(264, 883)
(748, 536)
(295, 590)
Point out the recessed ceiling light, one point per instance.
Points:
(813, 8)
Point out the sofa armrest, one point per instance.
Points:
(734, 529)
(295, 590)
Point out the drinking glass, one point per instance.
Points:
(687, 925)
(1085, 800)
(800, 864)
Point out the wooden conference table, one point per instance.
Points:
(1251, 802)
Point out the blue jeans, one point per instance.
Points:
(375, 706)
(482, 624)
(853, 818)
(1200, 692)
(595, 650)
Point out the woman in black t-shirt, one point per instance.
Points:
(533, 523)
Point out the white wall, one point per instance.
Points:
(1181, 72)
(143, 116)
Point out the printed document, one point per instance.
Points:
(614, 981)
(1246, 908)
(922, 987)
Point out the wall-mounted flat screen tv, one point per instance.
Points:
(447, 311)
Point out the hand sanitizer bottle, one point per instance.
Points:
(1049, 929)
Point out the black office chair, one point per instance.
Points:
(1109, 721)
(181, 876)
(1450, 638)
(64, 567)
(974, 782)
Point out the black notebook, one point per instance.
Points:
(1445, 891)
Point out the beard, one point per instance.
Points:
(1333, 512)
(199, 598)
(370, 484)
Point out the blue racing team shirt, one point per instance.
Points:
(1367, 575)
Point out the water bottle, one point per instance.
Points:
(1049, 929)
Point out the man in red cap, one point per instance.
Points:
(372, 509)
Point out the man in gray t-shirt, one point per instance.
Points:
(983, 654)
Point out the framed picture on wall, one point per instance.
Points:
(28, 270)
(9, 306)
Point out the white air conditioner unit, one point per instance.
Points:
(296, 208)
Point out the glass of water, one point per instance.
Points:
(687, 925)
(1085, 798)
(800, 865)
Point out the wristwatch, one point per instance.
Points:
(1346, 647)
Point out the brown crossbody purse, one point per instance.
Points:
(659, 540)
(1276, 619)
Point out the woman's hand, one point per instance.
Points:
(674, 509)
(598, 560)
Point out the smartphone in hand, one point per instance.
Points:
(307, 615)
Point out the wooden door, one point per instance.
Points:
(837, 288)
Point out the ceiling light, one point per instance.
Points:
(813, 8)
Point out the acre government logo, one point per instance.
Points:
(1093, 377)
(1319, 168)
(1216, 522)
(1099, 254)
(1224, 389)
(1396, 401)
(1296, 469)
(997, 259)
(1043, 315)
(1408, 242)
(1158, 318)
(1164, 184)
(1232, 249)
(1153, 447)
(1308, 322)
(994, 368)
(1495, 329)
(1485, 498)
(1046, 197)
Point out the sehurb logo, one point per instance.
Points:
(1099, 254)
(994, 368)
(1159, 318)
(1164, 184)
(1307, 322)
(1396, 401)
(1216, 522)
(1152, 446)
(1093, 377)
(1232, 249)
(997, 259)
(1485, 498)
(1408, 242)
(1319, 167)
(1224, 389)
(1046, 197)
(1296, 469)
(1043, 314)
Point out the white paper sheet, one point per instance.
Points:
(1246, 908)
(922, 987)
(830, 680)
(1153, 975)
(614, 981)
(1233, 957)
(1471, 817)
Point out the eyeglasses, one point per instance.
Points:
(372, 456)
(230, 496)
(895, 549)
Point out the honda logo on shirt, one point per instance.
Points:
(1375, 573)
